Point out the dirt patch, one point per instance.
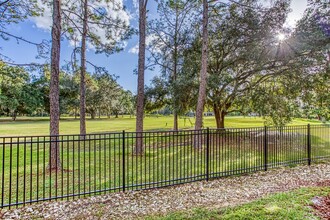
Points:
(322, 206)
(323, 183)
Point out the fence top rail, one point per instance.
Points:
(191, 131)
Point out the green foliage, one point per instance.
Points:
(15, 11)
(108, 24)
(250, 70)
(105, 96)
(21, 94)
(172, 35)
(18, 93)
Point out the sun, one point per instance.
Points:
(281, 37)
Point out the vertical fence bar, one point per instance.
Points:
(24, 177)
(123, 151)
(3, 171)
(17, 172)
(265, 149)
(10, 169)
(207, 154)
(309, 147)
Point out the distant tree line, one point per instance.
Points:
(24, 93)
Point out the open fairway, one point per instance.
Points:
(40, 126)
(99, 163)
(105, 162)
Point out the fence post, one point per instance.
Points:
(123, 151)
(207, 154)
(309, 146)
(265, 149)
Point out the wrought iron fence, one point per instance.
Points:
(95, 164)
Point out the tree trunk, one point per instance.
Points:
(54, 158)
(219, 117)
(175, 69)
(83, 73)
(203, 77)
(176, 126)
(93, 114)
(14, 116)
(141, 66)
(75, 113)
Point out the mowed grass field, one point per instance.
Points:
(40, 125)
(95, 164)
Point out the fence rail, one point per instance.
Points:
(95, 164)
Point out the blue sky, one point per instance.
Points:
(121, 64)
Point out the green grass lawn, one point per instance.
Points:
(294, 205)
(96, 163)
(40, 126)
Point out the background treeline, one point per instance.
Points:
(27, 93)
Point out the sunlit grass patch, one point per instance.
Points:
(295, 205)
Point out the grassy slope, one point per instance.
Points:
(40, 126)
(290, 205)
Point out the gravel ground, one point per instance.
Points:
(213, 194)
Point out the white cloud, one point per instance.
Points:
(134, 50)
(136, 4)
(150, 39)
(45, 21)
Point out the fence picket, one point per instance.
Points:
(108, 163)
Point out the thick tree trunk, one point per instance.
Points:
(54, 158)
(93, 114)
(83, 73)
(203, 73)
(138, 150)
(175, 69)
(219, 118)
(203, 77)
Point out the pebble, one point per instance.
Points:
(217, 193)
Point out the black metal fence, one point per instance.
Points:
(100, 163)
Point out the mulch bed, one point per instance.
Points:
(323, 183)
(322, 206)
(214, 194)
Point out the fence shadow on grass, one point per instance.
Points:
(103, 163)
